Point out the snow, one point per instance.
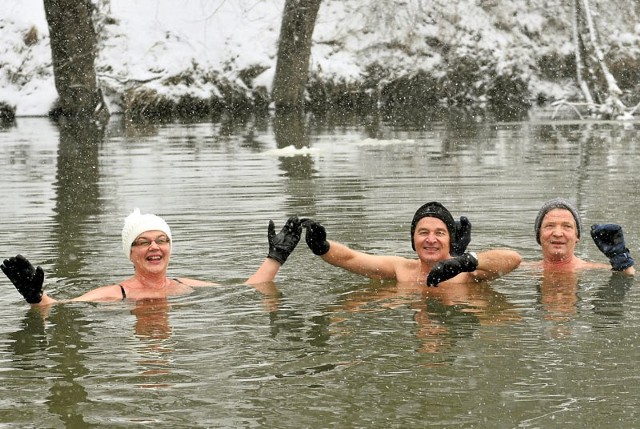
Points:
(383, 142)
(291, 151)
(152, 40)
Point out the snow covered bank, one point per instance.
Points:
(417, 51)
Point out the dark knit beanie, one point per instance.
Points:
(437, 210)
(556, 203)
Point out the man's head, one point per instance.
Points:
(557, 203)
(137, 223)
(437, 210)
(557, 228)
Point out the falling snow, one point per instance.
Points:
(152, 39)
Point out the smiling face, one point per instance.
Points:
(558, 235)
(431, 239)
(151, 251)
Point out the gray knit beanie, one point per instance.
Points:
(557, 203)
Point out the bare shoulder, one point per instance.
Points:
(406, 270)
(102, 293)
(587, 265)
(575, 264)
(400, 263)
(194, 282)
(531, 264)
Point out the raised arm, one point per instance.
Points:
(281, 245)
(373, 266)
(609, 239)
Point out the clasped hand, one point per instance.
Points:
(283, 243)
(316, 237)
(448, 269)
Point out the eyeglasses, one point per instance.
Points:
(145, 242)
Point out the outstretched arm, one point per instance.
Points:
(373, 266)
(495, 263)
(280, 247)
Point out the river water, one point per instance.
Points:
(323, 347)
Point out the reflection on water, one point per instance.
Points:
(77, 196)
(52, 350)
(609, 300)
(320, 347)
(442, 316)
(559, 295)
(152, 327)
(152, 319)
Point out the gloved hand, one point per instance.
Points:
(610, 240)
(282, 244)
(27, 279)
(463, 236)
(444, 270)
(316, 237)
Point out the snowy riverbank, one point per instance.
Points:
(224, 49)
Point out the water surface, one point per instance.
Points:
(329, 349)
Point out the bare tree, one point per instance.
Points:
(73, 50)
(598, 86)
(294, 50)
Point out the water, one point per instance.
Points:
(328, 348)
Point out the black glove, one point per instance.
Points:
(610, 240)
(282, 244)
(27, 279)
(444, 270)
(463, 236)
(316, 237)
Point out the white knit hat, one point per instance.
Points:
(137, 223)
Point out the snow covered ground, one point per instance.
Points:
(154, 39)
(151, 39)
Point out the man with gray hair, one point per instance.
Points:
(558, 228)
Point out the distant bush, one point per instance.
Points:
(466, 84)
(555, 66)
(326, 95)
(144, 103)
(7, 114)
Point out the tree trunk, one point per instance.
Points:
(598, 86)
(580, 51)
(73, 50)
(294, 50)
